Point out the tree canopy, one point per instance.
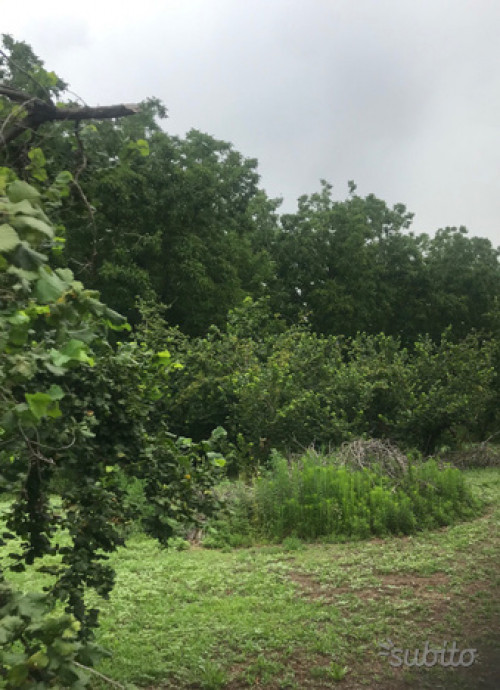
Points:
(183, 221)
(151, 293)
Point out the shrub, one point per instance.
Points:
(285, 389)
(179, 544)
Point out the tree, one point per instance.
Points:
(333, 262)
(35, 107)
(181, 226)
(77, 416)
(354, 266)
(463, 275)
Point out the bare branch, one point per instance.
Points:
(100, 112)
(100, 675)
(40, 111)
(83, 196)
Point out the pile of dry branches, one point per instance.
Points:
(361, 454)
(478, 455)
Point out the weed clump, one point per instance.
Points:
(316, 497)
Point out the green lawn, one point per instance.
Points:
(307, 618)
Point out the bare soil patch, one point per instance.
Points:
(424, 587)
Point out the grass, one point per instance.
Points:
(309, 617)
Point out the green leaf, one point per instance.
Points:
(74, 350)
(218, 434)
(20, 318)
(19, 335)
(19, 190)
(87, 335)
(11, 623)
(115, 318)
(49, 287)
(58, 358)
(39, 226)
(32, 604)
(217, 459)
(56, 392)
(8, 422)
(25, 208)
(17, 676)
(37, 157)
(56, 370)
(9, 239)
(142, 147)
(39, 404)
(38, 660)
(65, 274)
(63, 178)
(122, 327)
(26, 258)
(21, 273)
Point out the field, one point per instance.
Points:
(308, 616)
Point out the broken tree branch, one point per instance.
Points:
(40, 111)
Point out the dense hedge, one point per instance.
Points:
(273, 387)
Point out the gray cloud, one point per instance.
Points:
(403, 97)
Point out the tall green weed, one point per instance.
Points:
(314, 498)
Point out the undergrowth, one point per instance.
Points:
(314, 497)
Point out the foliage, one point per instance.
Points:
(47, 322)
(49, 644)
(182, 221)
(230, 528)
(177, 225)
(321, 326)
(314, 497)
(354, 265)
(292, 543)
(179, 221)
(273, 387)
(252, 610)
(75, 414)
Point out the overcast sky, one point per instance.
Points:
(401, 96)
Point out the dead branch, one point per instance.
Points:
(88, 205)
(39, 112)
(365, 453)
